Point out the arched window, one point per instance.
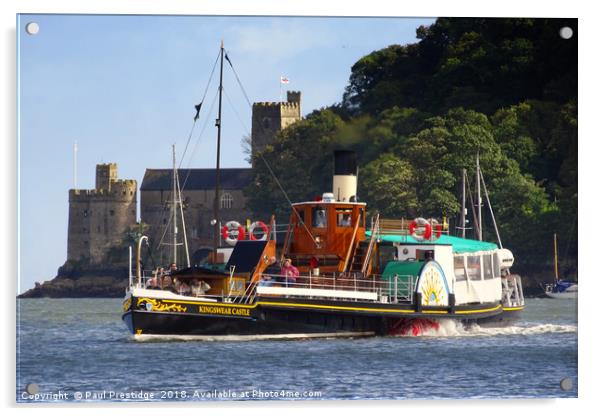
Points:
(226, 201)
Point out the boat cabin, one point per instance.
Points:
(322, 235)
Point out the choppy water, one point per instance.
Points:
(72, 348)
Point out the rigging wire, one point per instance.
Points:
(266, 162)
(198, 110)
(167, 226)
(244, 126)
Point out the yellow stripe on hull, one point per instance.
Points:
(341, 308)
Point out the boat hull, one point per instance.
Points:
(283, 317)
(562, 295)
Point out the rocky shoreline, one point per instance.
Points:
(82, 281)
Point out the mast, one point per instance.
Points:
(497, 232)
(174, 210)
(218, 123)
(556, 257)
(479, 217)
(463, 215)
(183, 222)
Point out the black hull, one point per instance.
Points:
(279, 317)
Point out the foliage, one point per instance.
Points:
(418, 114)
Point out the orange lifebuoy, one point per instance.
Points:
(233, 227)
(261, 225)
(421, 223)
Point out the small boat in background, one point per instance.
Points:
(560, 289)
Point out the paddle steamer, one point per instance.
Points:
(355, 278)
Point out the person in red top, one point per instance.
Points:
(289, 272)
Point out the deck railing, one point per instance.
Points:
(396, 289)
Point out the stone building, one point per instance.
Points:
(99, 218)
(198, 194)
(269, 118)
(198, 189)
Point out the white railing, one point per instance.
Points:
(397, 289)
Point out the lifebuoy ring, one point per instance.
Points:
(419, 223)
(232, 232)
(261, 225)
(437, 228)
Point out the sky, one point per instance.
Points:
(124, 87)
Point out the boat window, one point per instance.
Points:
(459, 269)
(318, 217)
(301, 218)
(344, 217)
(496, 265)
(473, 267)
(487, 267)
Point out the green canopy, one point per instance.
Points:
(403, 276)
(459, 245)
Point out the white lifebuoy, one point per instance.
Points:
(261, 225)
(420, 224)
(232, 232)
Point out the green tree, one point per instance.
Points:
(388, 185)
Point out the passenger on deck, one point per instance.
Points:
(173, 268)
(199, 287)
(289, 272)
(153, 283)
(266, 280)
(167, 283)
(181, 287)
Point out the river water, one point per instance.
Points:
(71, 350)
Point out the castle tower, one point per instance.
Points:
(269, 118)
(105, 174)
(99, 218)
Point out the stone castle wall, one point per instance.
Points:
(99, 218)
(155, 211)
(270, 117)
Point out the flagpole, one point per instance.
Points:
(280, 97)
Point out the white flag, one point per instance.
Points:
(283, 80)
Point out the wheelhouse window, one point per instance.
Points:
(300, 216)
(318, 217)
(344, 217)
(226, 201)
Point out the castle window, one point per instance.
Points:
(124, 192)
(98, 229)
(266, 123)
(112, 212)
(226, 201)
(85, 213)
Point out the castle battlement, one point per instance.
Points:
(99, 217)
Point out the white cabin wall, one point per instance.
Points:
(445, 257)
